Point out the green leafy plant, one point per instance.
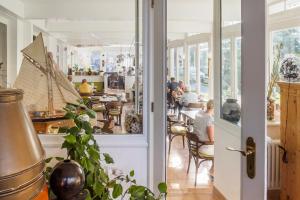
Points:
(82, 147)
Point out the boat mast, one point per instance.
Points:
(50, 89)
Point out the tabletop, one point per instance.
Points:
(105, 99)
(190, 113)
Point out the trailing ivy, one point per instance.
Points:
(82, 147)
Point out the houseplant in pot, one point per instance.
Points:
(82, 147)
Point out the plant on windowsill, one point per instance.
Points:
(82, 147)
(274, 78)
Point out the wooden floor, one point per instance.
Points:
(180, 184)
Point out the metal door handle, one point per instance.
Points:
(249, 153)
(244, 153)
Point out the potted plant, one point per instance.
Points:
(82, 147)
(274, 78)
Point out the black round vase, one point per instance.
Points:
(231, 111)
(67, 180)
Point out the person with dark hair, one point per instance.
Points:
(172, 85)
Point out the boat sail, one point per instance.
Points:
(45, 88)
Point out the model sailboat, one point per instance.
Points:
(46, 89)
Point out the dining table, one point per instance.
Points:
(106, 99)
(190, 114)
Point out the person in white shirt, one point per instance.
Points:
(188, 97)
(204, 128)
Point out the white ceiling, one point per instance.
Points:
(104, 22)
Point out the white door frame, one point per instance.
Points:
(254, 94)
(253, 91)
(158, 54)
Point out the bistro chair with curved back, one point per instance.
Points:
(175, 128)
(194, 145)
(114, 109)
(99, 108)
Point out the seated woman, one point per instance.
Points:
(188, 97)
(204, 128)
(85, 89)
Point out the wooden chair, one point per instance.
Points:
(114, 109)
(175, 128)
(107, 127)
(99, 108)
(194, 145)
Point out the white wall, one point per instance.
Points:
(129, 152)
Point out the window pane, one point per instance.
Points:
(238, 66)
(226, 70)
(172, 63)
(175, 63)
(204, 69)
(284, 42)
(180, 60)
(292, 4)
(192, 68)
(231, 63)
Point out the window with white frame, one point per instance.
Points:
(289, 40)
(238, 65)
(180, 63)
(203, 60)
(192, 68)
(226, 69)
(283, 6)
(173, 63)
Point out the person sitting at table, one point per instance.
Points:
(172, 85)
(188, 97)
(204, 128)
(181, 86)
(85, 88)
(185, 99)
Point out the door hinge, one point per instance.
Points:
(152, 106)
(152, 3)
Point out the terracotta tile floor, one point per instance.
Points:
(180, 184)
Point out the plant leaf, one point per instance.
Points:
(131, 173)
(70, 139)
(108, 159)
(48, 160)
(117, 191)
(162, 187)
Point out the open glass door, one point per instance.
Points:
(240, 127)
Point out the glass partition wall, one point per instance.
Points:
(115, 72)
(231, 62)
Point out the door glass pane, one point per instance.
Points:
(238, 66)
(226, 69)
(231, 61)
(203, 60)
(192, 68)
(180, 60)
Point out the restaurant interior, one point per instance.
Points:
(101, 60)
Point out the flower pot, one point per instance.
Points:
(67, 180)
